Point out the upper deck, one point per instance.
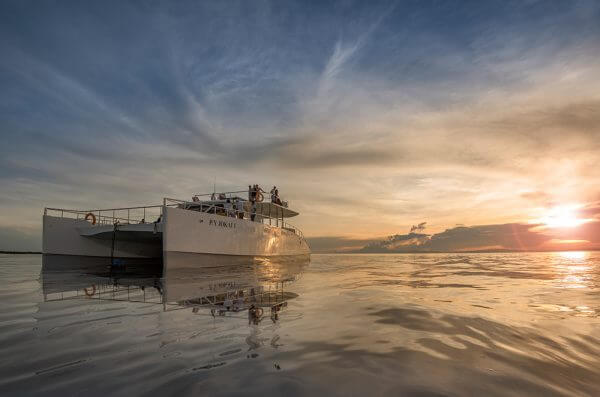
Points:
(264, 204)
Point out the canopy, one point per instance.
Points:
(272, 210)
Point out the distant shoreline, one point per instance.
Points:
(21, 252)
(377, 253)
(455, 252)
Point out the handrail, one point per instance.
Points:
(231, 193)
(104, 209)
(233, 213)
(102, 218)
(210, 194)
(123, 215)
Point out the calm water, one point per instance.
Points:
(422, 325)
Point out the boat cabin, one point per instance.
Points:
(231, 204)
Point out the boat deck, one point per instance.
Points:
(146, 220)
(134, 231)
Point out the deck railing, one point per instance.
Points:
(110, 216)
(219, 209)
(153, 213)
(239, 194)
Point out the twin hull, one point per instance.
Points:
(180, 231)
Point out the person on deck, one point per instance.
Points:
(277, 199)
(239, 206)
(258, 191)
(273, 195)
(229, 208)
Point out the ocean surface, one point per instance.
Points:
(348, 325)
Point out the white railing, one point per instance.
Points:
(110, 216)
(237, 193)
(153, 213)
(220, 209)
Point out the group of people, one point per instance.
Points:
(255, 194)
(235, 208)
(275, 196)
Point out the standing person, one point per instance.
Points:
(273, 195)
(250, 193)
(229, 208)
(277, 196)
(239, 206)
(258, 192)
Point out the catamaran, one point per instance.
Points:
(224, 223)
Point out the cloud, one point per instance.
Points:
(12, 239)
(419, 228)
(510, 236)
(372, 117)
(398, 243)
(330, 244)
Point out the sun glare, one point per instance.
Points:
(573, 255)
(562, 216)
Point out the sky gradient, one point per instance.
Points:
(370, 117)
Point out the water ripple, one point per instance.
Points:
(420, 325)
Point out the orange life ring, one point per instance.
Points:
(89, 214)
(90, 294)
(259, 197)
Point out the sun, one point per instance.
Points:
(564, 216)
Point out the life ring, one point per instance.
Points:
(88, 215)
(90, 294)
(259, 197)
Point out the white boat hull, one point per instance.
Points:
(180, 231)
(199, 232)
(67, 236)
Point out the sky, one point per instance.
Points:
(481, 119)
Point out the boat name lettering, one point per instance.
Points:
(228, 224)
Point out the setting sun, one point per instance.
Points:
(562, 216)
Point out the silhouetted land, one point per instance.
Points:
(20, 252)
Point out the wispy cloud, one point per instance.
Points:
(373, 117)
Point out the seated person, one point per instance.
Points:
(238, 304)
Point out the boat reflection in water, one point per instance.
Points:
(220, 285)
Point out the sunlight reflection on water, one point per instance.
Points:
(573, 269)
(573, 255)
(436, 324)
